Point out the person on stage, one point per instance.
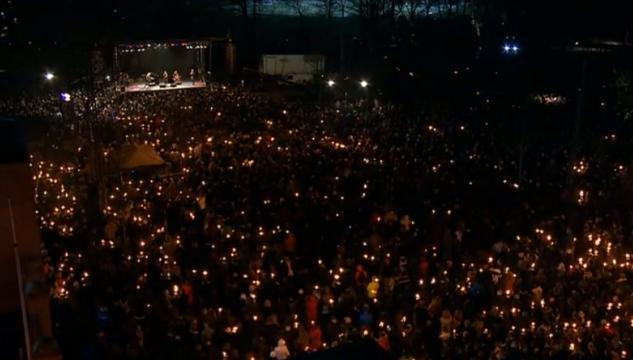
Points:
(151, 79)
(165, 77)
(176, 77)
(192, 75)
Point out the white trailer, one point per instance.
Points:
(294, 68)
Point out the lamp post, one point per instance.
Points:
(364, 89)
(329, 83)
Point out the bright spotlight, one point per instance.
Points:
(65, 97)
(330, 83)
(510, 48)
(364, 84)
(49, 76)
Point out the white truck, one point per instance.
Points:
(293, 68)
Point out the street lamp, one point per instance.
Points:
(49, 76)
(363, 83)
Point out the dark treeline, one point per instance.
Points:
(368, 24)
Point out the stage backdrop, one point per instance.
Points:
(136, 63)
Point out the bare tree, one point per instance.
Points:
(452, 4)
(427, 7)
(328, 7)
(298, 6)
(370, 10)
(440, 6)
(391, 10)
(411, 8)
(243, 7)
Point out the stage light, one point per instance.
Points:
(108, 78)
(65, 97)
(364, 83)
(510, 48)
(49, 76)
(331, 83)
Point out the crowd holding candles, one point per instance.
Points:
(277, 228)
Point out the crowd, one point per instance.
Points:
(277, 228)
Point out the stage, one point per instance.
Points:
(139, 87)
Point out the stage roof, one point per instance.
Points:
(158, 44)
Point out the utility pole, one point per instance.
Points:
(521, 147)
(18, 271)
(576, 140)
(342, 39)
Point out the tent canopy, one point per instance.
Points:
(137, 156)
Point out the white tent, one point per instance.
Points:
(136, 156)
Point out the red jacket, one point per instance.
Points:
(315, 337)
(312, 304)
